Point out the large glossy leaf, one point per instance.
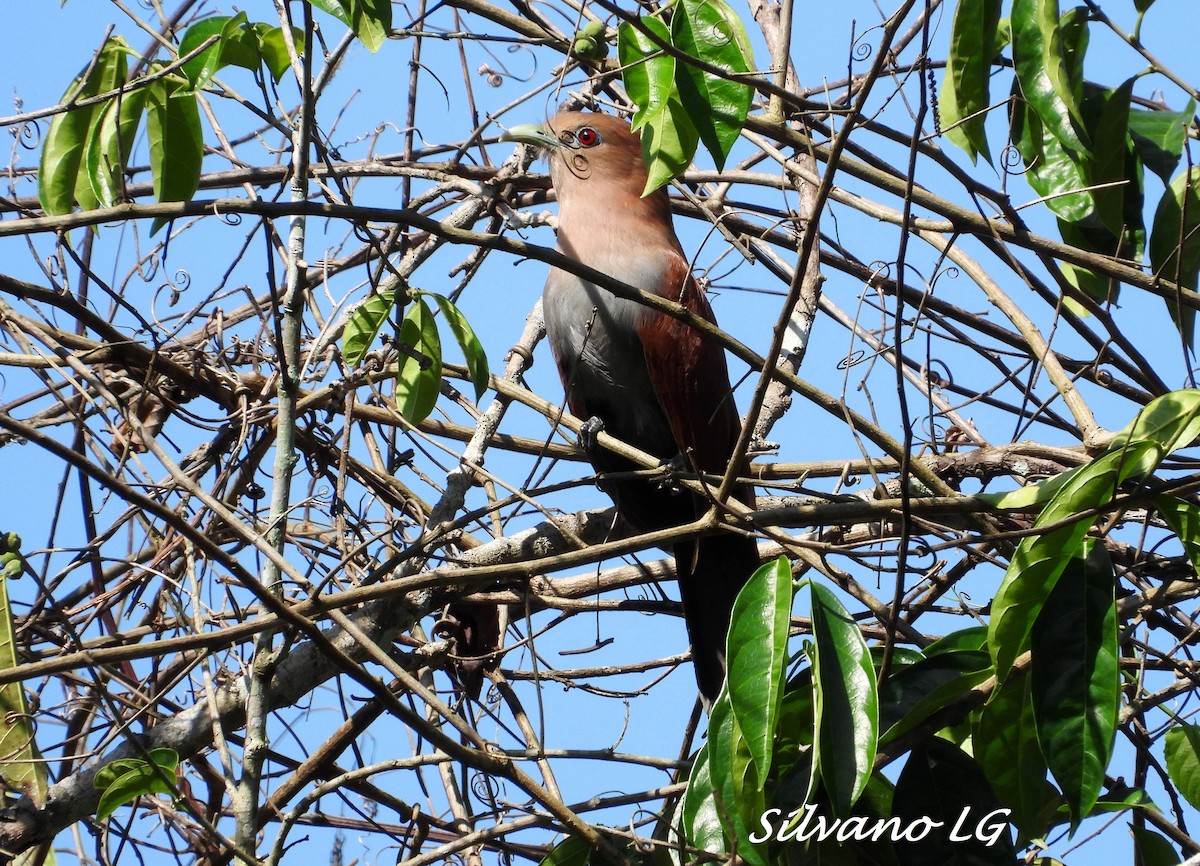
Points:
(273, 47)
(1165, 424)
(1053, 170)
(648, 72)
(1184, 519)
(966, 91)
(176, 141)
(1171, 421)
(1182, 751)
(419, 378)
(364, 325)
(847, 715)
(700, 816)
(669, 142)
(972, 638)
(371, 20)
(915, 692)
(756, 655)
(1153, 849)
(1175, 242)
(1159, 137)
(22, 770)
(336, 8)
(940, 782)
(725, 780)
(61, 180)
(711, 31)
(1005, 743)
(236, 45)
(110, 143)
(1110, 130)
(1040, 559)
(1076, 681)
(1041, 68)
(749, 796)
(472, 349)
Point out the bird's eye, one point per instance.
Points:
(588, 137)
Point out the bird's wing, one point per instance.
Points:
(689, 375)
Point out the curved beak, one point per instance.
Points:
(531, 133)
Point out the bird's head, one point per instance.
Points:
(586, 152)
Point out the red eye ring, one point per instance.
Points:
(588, 137)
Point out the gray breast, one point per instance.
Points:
(594, 338)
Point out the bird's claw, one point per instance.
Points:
(671, 468)
(591, 429)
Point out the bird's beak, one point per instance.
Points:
(530, 133)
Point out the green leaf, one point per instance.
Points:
(1184, 519)
(419, 380)
(1165, 424)
(126, 779)
(1075, 679)
(972, 638)
(1039, 559)
(110, 143)
(965, 89)
(1182, 751)
(364, 325)
(701, 818)
(756, 656)
(472, 349)
(1171, 421)
(1153, 849)
(1109, 165)
(22, 771)
(571, 851)
(847, 706)
(1054, 171)
(1175, 243)
(333, 7)
(176, 141)
(939, 781)
(669, 142)
(1142, 5)
(61, 182)
(1159, 137)
(1041, 67)
(711, 31)
(649, 72)
(726, 761)
(793, 738)
(1004, 741)
(236, 45)
(371, 20)
(749, 798)
(913, 693)
(274, 50)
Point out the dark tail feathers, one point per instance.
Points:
(711, 572)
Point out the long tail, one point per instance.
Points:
(711, 572)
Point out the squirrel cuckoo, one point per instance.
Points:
(644, 377)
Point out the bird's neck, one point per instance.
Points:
(624, 235)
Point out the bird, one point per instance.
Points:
(642, 376)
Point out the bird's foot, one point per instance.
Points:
(591, 428)
(672, 467)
